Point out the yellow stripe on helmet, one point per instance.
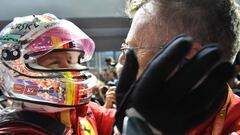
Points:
(70, 88)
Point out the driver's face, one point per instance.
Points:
(54, 60)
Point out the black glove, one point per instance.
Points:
(175, 101)
(127, 78)
(129, 72)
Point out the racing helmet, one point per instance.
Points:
(26, 40)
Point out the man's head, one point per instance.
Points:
(41, 62)
(109, 61)
(155, 22)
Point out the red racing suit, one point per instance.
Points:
(225, 122)
(90, 119)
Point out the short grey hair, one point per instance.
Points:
(208, 21)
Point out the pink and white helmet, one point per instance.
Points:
(28, 38)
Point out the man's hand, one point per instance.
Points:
(127, 78)
(110, 97)
(173, 97)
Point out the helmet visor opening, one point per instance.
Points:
(57, 60)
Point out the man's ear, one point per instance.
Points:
(194, 50)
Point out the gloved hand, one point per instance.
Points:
(174, 99)
(127, 78)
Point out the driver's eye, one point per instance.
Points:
(69, 61)
(54, 64)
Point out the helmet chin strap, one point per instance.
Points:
(17, 105)
(43, 108)
(20, 105)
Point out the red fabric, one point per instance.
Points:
(104, 118)
(231, 123)
(100, 118)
